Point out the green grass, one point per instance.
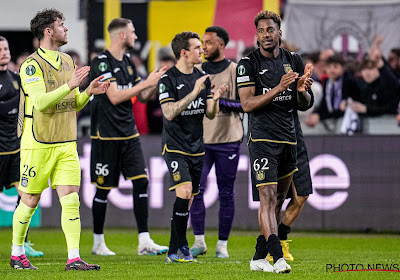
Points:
(312, 252)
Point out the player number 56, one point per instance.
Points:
(101, 169)
(264, 163)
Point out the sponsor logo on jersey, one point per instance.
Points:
(117, 69)
(13, 111)
(122, 87)
(243, 79)
(180, 86)
(161, 88)
(163, 95)
(102, 56)
(241, 70)
(103, 66)
(194, 108)
(16, 85)
(196, 103)
(65, 105)
(163, 76)
(287, 67)
(130, 70)
(1, 86)
(30, 70)
(263, 71)
(31, 80)
(176, 176)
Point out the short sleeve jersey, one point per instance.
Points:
(184, 134)
(9, 96)
(273, 122)
(108, 120)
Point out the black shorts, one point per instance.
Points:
(184, 169)
(270, 162)
(110, 158)
(9, 170)
(302, 178)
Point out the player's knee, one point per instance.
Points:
(267, 194)
(101, 194)
(140, 186)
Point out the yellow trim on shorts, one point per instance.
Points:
(273, 141)
(103, 188)
(9, 153)
(137, 177)
(180, 152)
(196, 193)
(114, 138)
(178, 185)
(265, 184)
(287, 175)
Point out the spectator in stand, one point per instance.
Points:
(394, 61)
(378, 86)
(320, 67)
(339, 85)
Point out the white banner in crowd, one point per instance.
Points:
(345, 26)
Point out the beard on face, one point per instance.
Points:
(213, 56)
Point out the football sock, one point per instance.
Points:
(274, 247)
(70, 220)
(173, 242)
(27, 231)
(283, 231)
(99, 210)
(181, 216)
(21, 220)
(261, 248)
(140, 203)
(199, 238)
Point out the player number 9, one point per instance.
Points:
(174, 165)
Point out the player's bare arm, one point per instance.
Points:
(251, 102)
(213, 104)
(172, 109)
(303, 85)
(118, 96)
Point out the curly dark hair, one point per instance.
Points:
(181, 42)
(267, 15)
(221, 33)
(44, 19)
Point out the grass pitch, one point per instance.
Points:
(313, 253)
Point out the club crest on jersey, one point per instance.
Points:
(65, 65)
(287, 67)
(260, 175)
(24, 182)
(203, 86)
(15, 84)
(176, 176)
(241, 70)
(130, 70)
(30, 70)
(103, 66)
(100, 180)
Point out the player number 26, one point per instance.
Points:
(101, 169)
(263, 162)
(29, 171)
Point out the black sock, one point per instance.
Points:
(283, 231)
(274, 247)
(99, 210)
(140, 204)
(261, 248)
(180, 217)
(173, 242)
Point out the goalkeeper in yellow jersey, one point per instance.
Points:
(49, 100)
